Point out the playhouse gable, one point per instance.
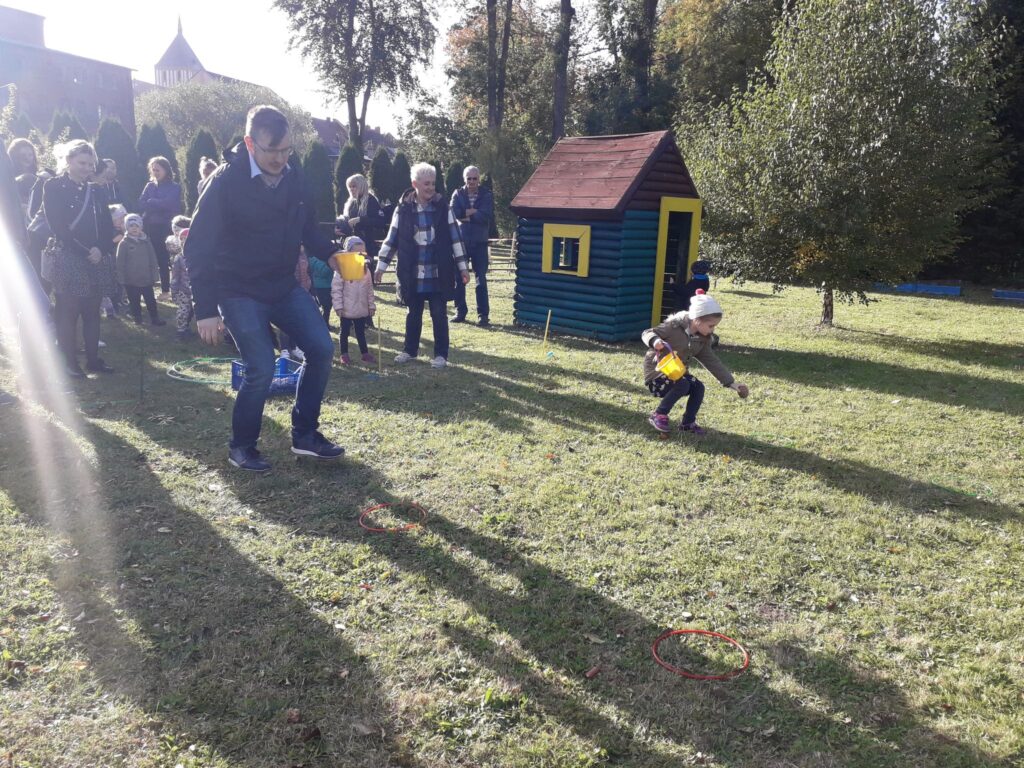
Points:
(603, 176)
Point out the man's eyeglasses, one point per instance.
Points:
(472, 178)
(282, 153)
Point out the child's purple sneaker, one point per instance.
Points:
(659, 421)
(369, 358)
(694, 428)
(346, 360)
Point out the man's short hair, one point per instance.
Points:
(268, 120)
(468, 170)
(422, 171)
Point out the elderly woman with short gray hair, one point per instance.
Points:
(424, 237)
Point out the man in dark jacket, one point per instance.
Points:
(243, 245)
(425, 237)
(473, 207)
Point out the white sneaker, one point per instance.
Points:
(298, 355)
(438, 362)
(403, 357)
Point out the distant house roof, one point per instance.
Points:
(179, 54)
(599, 176)
(331, 133)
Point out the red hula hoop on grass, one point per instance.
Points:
(398, 529)
(693, 675)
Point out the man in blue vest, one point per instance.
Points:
(473, 207)
(243, 245)
(425, 237)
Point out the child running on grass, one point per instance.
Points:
(355, 304)
(688, 334)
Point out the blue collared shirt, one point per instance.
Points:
(255, 169)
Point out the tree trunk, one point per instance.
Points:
(354, 134)
(827, 305)
(506, 36)
(561, 87)
(492, 63)
(645, 56)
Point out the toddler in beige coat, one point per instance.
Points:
(354, 302)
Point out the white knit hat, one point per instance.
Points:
(702, 304)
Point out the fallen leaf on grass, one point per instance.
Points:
(163, 529)
(363, 729)
(593, 672)
(595, 639)
(366, 586)
(343, 674)
(293, 716)
(310, 733)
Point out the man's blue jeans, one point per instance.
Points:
(478, 258)
(248, 321)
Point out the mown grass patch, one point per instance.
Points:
(856, 524)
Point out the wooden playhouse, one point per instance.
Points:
(606, 223)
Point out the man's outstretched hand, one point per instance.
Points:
(211, 330)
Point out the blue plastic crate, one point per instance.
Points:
(286, 376)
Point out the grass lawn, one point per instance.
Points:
(856, 524)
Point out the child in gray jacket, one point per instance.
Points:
(688, 334)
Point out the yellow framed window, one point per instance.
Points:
(566, 249)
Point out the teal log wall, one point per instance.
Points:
(614, 302)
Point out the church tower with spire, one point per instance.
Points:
(179, 64)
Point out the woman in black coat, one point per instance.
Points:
(76, 260)
(363, 213)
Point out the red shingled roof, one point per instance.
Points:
(597, 176)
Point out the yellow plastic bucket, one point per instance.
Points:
(672, 366)
(352, 265)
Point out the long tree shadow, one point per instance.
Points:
(180, 621)
(459, 395)
(953, 351)
(820, 370)
(550, 617)
(553, 621)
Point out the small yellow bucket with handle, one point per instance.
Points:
(672, 365)
(352, 265)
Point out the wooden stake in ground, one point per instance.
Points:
(380, 357)
(547, 325)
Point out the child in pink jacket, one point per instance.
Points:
(354, 302)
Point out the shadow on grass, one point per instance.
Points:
(196, 632)
(747, 722)
(830, 371)
(954, 351)
(633, 707)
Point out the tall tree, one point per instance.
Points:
(707, 48)
(849, 164)
(560, 89)
(113, 141)
(362, 47)
(21, 126)
(219, 108)
(439, 186)
(65, 127)
(153, 143)
(202, 145)
(400, 171)
(453, 180)
(993, 247)
(316, 168)
(497, 62)
(380, 175)
(350, 162)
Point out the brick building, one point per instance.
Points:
(49, 80)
